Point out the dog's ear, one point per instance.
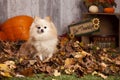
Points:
(48, 18)
(36, 18)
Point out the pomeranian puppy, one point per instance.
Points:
(43, 39)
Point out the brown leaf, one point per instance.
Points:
(27, 71)
(49, 69)
(8, 51)
(69, 61)
(79, 70)
(117, 60)
(103, 66)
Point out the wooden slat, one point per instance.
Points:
(3, 10)
(23, 7)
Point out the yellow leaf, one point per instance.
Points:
(94, 73)
(69, 61)
(4, 67)
(62, 67)
(5, 74)
(5, 70)
(81, 54)
(21, 59)
(62, 53)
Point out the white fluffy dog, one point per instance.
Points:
(43, 38)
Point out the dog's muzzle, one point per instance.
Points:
(40, 30)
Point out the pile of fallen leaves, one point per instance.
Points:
(73, 56)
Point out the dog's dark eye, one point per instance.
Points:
(38, 27)
(45, 27)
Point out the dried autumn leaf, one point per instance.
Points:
(10, 64)
(62, 53)
(117, 60)
(32, 62)
(69, 71)
(4, 67)
(105, 57)
(68, 48)
(69, 61)
(49, 69)
(5, 74)
(102, 75)
(21, 59)
(5, 70)
(8, 51)
(103, 66)
(84, 53)
(63, 41)
(56, 73)
(76, 44)
(114, 68)
(79, 70)
(72, 57)
(80, 55)
(99, 74)
(94, 73)
(27, 71)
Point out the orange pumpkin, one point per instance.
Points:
(2, 36)
(16, 28)
(109, 10)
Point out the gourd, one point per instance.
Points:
(16, 28)
(93, 9)
(109, 10)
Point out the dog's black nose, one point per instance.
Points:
(42, 30)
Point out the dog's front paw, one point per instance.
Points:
(38, 56)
